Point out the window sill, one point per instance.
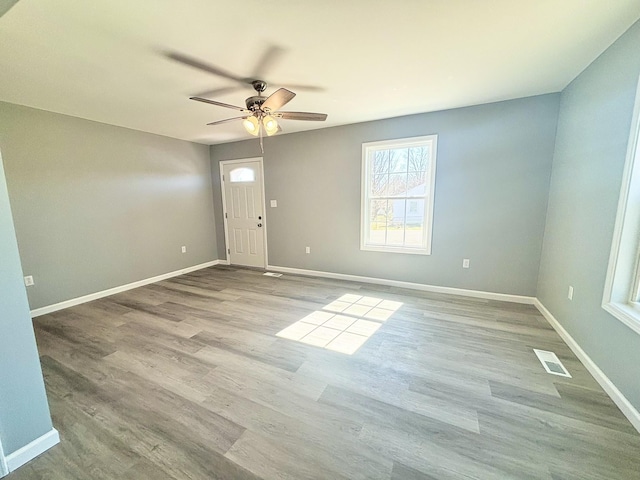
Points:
(410, 251)
(626, 313)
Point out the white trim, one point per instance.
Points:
(4, 469)
(621, 283)
(33, 449)
(240, 160)
(607, 385)
(122, 288)
(625, 313)
(429, 196)
(221, 165)
(505, 297)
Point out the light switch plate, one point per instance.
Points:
(274, 203)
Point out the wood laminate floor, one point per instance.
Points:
(186, 379)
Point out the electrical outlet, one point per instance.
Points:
(28, 281)
(274, 203)
(570, 294)
(307, 249)
(184, 249)
(465, 263)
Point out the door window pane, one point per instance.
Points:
(242, 175)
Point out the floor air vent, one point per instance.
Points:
(551, 363)
(272, 274)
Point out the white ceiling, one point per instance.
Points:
(102, 59)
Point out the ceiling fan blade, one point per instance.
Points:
(218, 91)
(195, 63)
(271, 55)
(279, 98)
(306, 88)
(314, 117)
(226, 120)
(219, 104)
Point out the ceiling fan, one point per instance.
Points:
(270, 57)
(260, 112)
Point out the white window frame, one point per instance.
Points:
(622, 283)
(432, 141)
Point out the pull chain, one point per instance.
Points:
(261, 146)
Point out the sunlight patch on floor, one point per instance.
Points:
(343, 325)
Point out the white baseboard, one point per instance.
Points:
(32, 450)
(607, 385)
(111, 291)
(505, 297)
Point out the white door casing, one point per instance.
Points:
(4, 469)
(244, 219)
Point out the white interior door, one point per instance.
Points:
(244, 212)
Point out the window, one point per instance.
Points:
(622, 287)
(398, 179)
(242, 174)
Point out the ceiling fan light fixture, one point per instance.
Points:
(251, 125)
(257, 116)
(270, 125)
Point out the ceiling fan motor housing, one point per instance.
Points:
(255, 103)
(259, 85)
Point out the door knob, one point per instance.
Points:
(259, 224)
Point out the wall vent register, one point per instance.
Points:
(552, 363)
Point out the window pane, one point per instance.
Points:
(397, 185)
(379, 184)
(418, 158)
(395, 232)
(414, 235)
(242, 175)
(396, 222)
(378, 212)
(415, 212)
(398, 160)
(416, 184)
(377, 222)
(380, 162)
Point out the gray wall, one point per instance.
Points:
(492, 180)
(97, 206)
(24, 412)
(593, 132)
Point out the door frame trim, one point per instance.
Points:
(221, 165)
(4, 469)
